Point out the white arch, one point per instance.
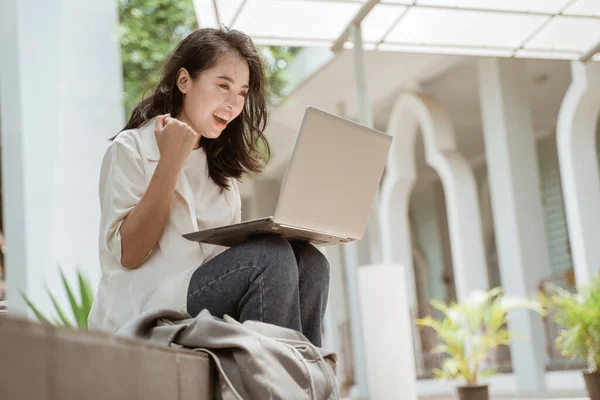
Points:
(576, 139)
(411, 111)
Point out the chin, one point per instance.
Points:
(212, 135)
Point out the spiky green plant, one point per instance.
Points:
(79, 308)
(578, 315)
(470, 330)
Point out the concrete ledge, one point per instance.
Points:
(41, 362)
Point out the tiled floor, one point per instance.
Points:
(503, 397)
(541, 397)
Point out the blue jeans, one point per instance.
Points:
(266, 279)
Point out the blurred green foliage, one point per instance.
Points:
(149, 30)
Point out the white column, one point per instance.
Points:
(365, 117)
(464, 223)
(395, 228)
(388, 337)
(576, 142)
(397, 251)
(351, 256)
(29, 70)
(65, 94)
(335, 338)
(516, 203)
(90, 112)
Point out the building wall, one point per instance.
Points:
(557, 234)
(426, 224)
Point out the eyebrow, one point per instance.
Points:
(231, 80)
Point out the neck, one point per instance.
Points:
(197, 145)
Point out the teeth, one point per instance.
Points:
(224, 117)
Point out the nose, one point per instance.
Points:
(234, 102)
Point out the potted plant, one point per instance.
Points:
(468, 332)
(578, 315)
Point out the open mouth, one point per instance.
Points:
(221, 118)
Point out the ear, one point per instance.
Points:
(183, 80)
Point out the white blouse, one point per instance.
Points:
(163, 278)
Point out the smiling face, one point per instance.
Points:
(215, 97)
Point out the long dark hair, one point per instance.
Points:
(237, 150)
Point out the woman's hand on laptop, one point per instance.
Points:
(175, 139)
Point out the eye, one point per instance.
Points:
(224, 86)
(244, 94)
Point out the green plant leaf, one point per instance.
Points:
(87, 296)
(80, 319)
(441, 349)
(571, 342)
(63, 317)
(35, 310)
(509, 303)
(440, 374)
(469, 330)
(578, 315)
(451, 367)
(488, 372)
(430, 322)
(80, 312)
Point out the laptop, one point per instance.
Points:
(328, 190)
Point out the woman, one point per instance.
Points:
(173, 170)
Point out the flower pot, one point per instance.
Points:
(592, 383)
(479, 392)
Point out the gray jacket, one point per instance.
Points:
(254, 360)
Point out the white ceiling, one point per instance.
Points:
(413, 43)
(452, 80)
(457, 90)
(555, 29)
(333, 89)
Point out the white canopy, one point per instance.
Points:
(555, 29)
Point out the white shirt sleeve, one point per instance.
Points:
(122, 185)
(237, 210)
